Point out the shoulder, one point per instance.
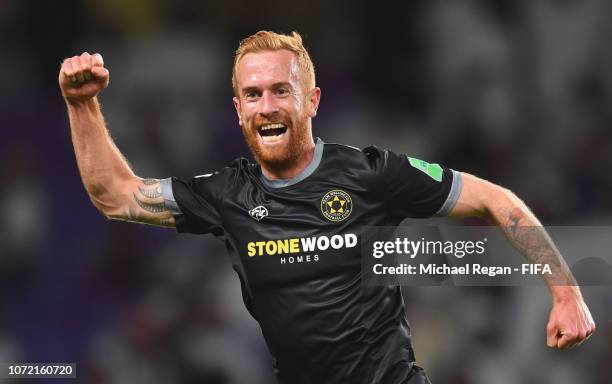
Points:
(234, 173)
(369, 157)
(234, 168)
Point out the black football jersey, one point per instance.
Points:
(295, 246)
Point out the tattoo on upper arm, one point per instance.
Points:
(150, 193)
(149, 207)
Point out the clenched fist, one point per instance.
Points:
(83, 77)
(570, 322)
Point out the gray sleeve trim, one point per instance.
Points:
(453, 195)
(169, 202)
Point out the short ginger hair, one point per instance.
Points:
(271, 41)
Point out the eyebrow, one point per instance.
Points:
(274, 86)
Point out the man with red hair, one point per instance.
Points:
(292, 220)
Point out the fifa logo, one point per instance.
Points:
(259, 212)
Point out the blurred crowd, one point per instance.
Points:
(515, 91)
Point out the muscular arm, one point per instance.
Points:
(107, 177)
(503, 208)
(570, 321)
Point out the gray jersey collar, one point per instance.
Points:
(314, 163)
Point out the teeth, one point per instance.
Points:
(272, 126)
(271, 139)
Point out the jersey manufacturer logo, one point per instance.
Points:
(336, 205)
(259, 212)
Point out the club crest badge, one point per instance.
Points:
(336, 205)
(259, 212)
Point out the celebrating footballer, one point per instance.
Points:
(307, 200)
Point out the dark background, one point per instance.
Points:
(516, 91)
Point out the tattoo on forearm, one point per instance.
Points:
(532, 241)
(515, 218)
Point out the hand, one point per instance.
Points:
(82, 77)
(570, 322)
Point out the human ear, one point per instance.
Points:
(313, 101)
(237, 107)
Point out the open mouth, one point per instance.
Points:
(272, 132)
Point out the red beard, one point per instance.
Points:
(278, 158)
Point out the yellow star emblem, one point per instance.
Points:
(336, 205)
(333, 205)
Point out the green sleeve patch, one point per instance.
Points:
(432, 170)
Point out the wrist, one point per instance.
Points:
(76, 103)
(563, 293)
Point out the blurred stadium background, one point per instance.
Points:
(516, 91)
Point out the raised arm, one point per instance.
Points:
(112, 186)
(570, 321)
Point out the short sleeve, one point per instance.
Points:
(416, 188)
(195, 204)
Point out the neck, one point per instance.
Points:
(295, 169)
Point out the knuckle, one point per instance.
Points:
(97, 58)
(86, 59)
